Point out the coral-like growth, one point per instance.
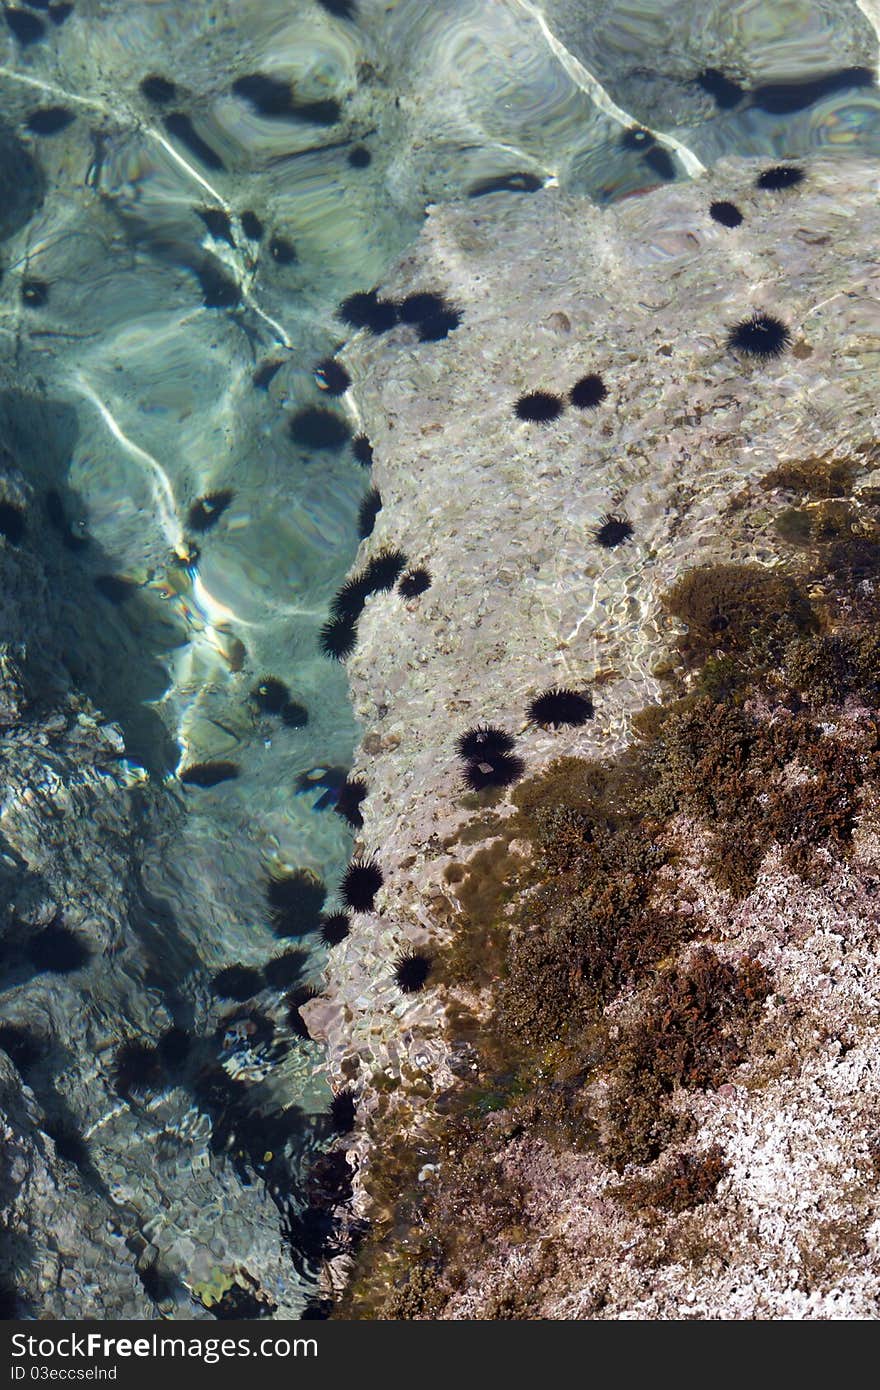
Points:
(411, 971)
(362, 880)
(538, 406)
(780, 176)
(687, 1182)
(763, 336)
(735, 607)
(560, 706)
(206, 511)
(348, 802)
(612, 531)
(295, 902)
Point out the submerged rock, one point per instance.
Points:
(693, 445)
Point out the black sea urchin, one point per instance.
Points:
(762, 336)
(348, 802)
(270, 695)
(366, 310)
(369, 509)
(206, 511)
(238, 982)
(335, 928)
(612, 531)
(484, 741)
(251, 225)
(283, 971)
(348, 602)
(338, 637)
(282, 250)
(439, 326)
(362, 450)
(23, 1047)
(637, 138)
(295, 902)
(726, 214)
(420, 306)
(780, 176)
(12, 522)
(332, 377)
(137, 1067)
(294, 715)
(361, 882)
(174, 1047)
(158, 90)
(499, 770)
(589, 392)
(295, 1001)
(538, 406)
(208, 774)
(48, 120)
(313, 427)
(561, 706)
(411, 970)
(342, 1112)
(660, 162)
(383, 570)
(414, 582)
(57, 950)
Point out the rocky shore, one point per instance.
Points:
(747, 484)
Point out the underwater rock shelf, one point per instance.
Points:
(666, 1105)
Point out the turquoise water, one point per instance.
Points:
(188, 197)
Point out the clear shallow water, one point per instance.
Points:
(142, 399)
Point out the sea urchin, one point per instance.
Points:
(560, 706)
(361, 882)
(760, 336)
(538, 406)
(411, 970)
